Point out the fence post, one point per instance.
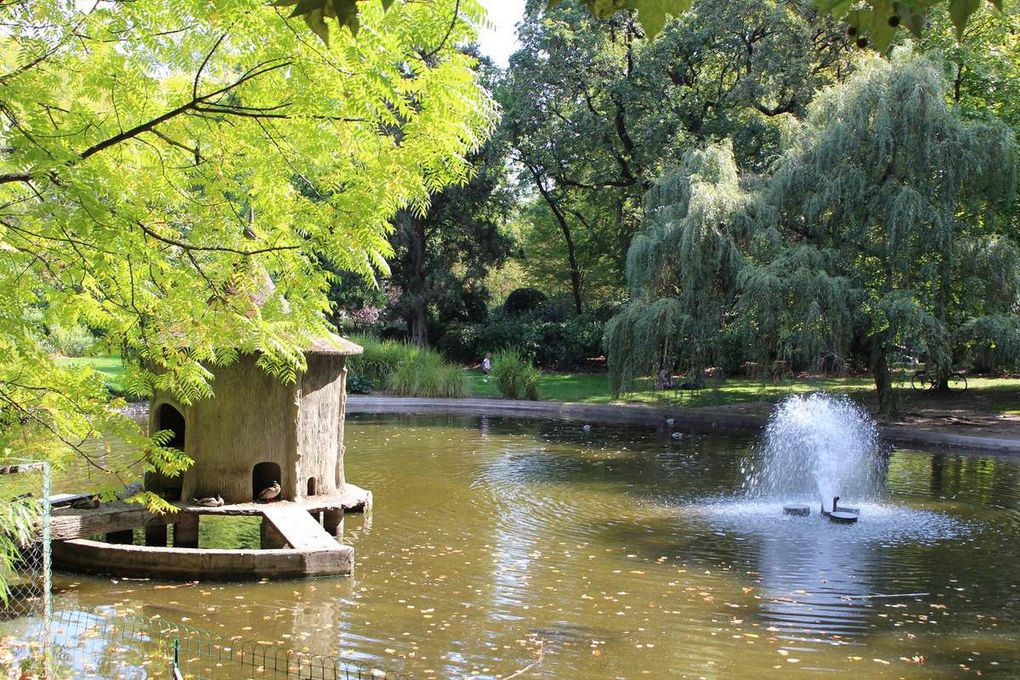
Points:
(47, 567)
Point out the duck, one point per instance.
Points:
(269, 493)
(677, 435)
(89, 503)
(209, 501)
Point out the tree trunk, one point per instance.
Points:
(883, 380)
(568, 238)
(417, 319)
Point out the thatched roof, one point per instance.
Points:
(334, 344)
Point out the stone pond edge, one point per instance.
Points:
(701, 418)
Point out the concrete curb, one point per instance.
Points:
(699, 419)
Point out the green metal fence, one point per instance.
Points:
(87, 645)
(39, 640)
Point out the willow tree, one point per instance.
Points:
(174, 176)
(873, 231)
(891, 181)
(682, 269)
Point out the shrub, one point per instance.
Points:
(568, 345)
(461, 342)
(71, 341)
(503, 331)
(515, 377)
(426, 374)
(380, 359)
(531, 379)
(358, 384)
(524, 301)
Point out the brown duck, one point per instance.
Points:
(269, 493)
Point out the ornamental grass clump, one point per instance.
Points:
(515, 376)
(426, 373)
(380, 358)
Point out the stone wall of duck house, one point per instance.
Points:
(252, 419)
(320, 426)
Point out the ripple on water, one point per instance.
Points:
(819, 579)
(885, 523)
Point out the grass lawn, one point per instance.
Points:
(990, 395)
(111, 367)
(996, 395)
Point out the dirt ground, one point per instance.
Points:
(969, 413)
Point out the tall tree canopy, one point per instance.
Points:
(441, 258)
(173, 175)
(594, 111)
(882, 225)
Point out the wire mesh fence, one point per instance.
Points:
(88, 644)
(24, 539)
(39, 641)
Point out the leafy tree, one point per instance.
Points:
(175, 174)
(879, 20)
(874, 228)
(593, 111)
(442, 256)
(982, 63)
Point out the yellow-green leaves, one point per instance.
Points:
(316, 12)
(174, 176)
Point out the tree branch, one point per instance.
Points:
(217, 249)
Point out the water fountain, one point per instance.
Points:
(818, 449)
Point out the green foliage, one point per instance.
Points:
(872, 22)
(175, 176)
(651, 13)
(70, 341)
(425, 373)
(19, 518)
(380, 358)
(358, 384)
(179, 192)
(515, 376)
(501, 331)
(682, 269)
(524, 301)
(461, 341)
(403, 369)
(982, 65)
(879, 20)
(594, 111)
(347, 14)
(551, 334)
(886, 208)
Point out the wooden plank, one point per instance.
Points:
(299, 528)
(68, 523)
(59, 499)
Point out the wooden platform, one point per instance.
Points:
(294, 543)
(69, 523)
(299, 528)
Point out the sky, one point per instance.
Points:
(500, 41)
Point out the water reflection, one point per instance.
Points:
(621, 554)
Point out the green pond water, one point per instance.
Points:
(620, 553)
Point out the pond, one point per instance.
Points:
(621, 553)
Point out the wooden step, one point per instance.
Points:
(300, 528)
